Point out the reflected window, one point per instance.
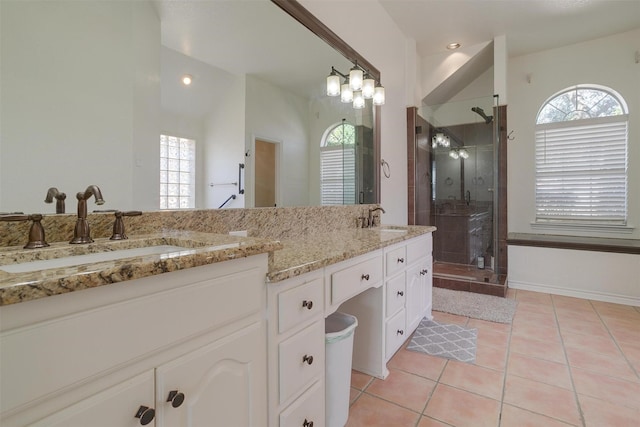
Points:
(177, 172)
(581, 157)
(338, 165)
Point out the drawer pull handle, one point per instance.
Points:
(307, 359)
(145, 414)
(307, 304)
(423, 272)
(364, 277)
(401, 260)
(307, 423)
(176, 398)
(400, 293)
(400, 332)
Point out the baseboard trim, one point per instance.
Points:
(576, 293)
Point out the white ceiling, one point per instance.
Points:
(529, 25)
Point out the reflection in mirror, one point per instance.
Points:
(89, 87)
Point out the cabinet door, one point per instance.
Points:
(115, 406)
(415, 296)
(221, 384)
(426, 273)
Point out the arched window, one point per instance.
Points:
(581, 157)
(338, 165)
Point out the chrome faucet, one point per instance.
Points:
(82, 233)
(372, 218)
(53, 192)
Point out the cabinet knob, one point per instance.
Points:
(400, 293)
(307, 423)
(400, 332)
(365, 277)
(307, 304)
(145, 414)
(423, 272)
(176, 398)
(401, 260)
(307, 359)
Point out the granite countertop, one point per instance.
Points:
(315, 251)
(287, 258)
(196, 249)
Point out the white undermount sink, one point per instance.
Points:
(74, 260)
(393, 229)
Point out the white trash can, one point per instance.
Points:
(338, 329)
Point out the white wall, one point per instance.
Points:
(382, 43)
(283, 117)
(606, 61)
(45, 112)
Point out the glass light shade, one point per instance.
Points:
(368, 88)
(346, 94)
(358, 100)
(464, 154)
(355, 78)
(378, 95)
(440, 140)
(454, 154)
(333, 85)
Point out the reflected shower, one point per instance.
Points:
(480, 112)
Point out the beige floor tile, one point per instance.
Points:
(493, 338)
(404, 389)
(476, 379)
(491, 357)
(613, 390)
(544, 371)
(441, 317)
(493, 326)
(359, 380)
(541, 349)
(534, 297)
(517, 417)
(603, 363)
(584, 327)
(369, 411)
(430, 422)
(354, 393)
(535, 332)
(532, 307)
(598, 413)
(418, 363)
(572, 303)
(462, 409)
(547, 400)
(588, 343)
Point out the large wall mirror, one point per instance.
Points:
(88, 87)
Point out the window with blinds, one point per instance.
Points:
(177, 172)
(338, 165)
(581, 158)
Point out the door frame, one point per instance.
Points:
(251, 160)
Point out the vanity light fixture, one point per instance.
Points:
(357, 86)
(458, 153)
(440, 140)
(453, 46)
(186, 79)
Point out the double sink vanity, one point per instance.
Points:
(184, 324)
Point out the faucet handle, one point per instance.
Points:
(36, 232)
(118, 225)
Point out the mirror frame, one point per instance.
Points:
(304, 17)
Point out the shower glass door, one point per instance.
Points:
(462, 151)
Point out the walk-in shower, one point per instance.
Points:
(455, 188)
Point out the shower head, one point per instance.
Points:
(480, 112)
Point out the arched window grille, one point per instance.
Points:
(337, 165)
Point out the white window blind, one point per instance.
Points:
(581, 171)
(338, 175)
(177, 172)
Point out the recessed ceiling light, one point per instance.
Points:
(453, 46)
(186, 79)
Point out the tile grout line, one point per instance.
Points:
(506, 364)
(566, 357)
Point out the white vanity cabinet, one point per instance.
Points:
(296, 351)
(99, 357)
(409, 263)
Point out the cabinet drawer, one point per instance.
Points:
(419, 248)
(396, 294)
(354, 279)
(309, 407)
(395, 260)
(296, 306)
(301, 358)
(395, 334)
